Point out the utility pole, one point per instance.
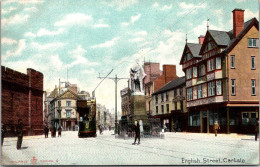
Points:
(60, 103)
(116, 79)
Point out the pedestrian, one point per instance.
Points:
(100, 129)
(256, 130)
(59, 131)
(19, 134)
(46, 131)
(3, 130)
(137, 132)
(53, 131)
(216, 128)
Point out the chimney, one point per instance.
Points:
(201, 39)
(169, 72)
(238, 21)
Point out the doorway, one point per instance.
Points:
(204, 125)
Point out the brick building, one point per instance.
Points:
(170, 105)
(22, 98)
(156, 79)
(222, 78)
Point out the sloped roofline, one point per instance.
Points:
(204, 42)
(66, 92)
(184, 51)
(254, 22)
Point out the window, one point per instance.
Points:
(167, 108)
(233, 87)
(211, 64)
(211, 88)
(175, 105)
(189, 94)
(156, 109)
(195, 72)
(162, 107)
(181, 91)
(167, 96)
(195, 119)
(219, 88)
(202, 70)
(162, 97)
(188, 73)
(68, 112)
(253, 118)
(181, 106)
(199, 91)
(218, 62)
(252, 42)
(68, 103)
(59, 103)
(156, 99)
(188, 56)
(232, 61)
(253, 87)
(245, 118)
(175, 92)
(253, 62)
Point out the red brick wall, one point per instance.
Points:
(16, 88)
(169, 72)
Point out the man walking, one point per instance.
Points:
(137, 132)
(19, 134)
(46, 131)
(59, 131)
(216, 128)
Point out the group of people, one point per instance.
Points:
(53, 131)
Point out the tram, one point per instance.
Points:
(87, 118)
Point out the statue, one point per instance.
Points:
(137, 75)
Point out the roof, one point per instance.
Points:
(247, 26)
(78, 97)
(171, 85)
(194, 48)
(54, 93)
(221, 37)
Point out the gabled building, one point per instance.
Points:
(222, 78)
(170, 105)
(64, 110)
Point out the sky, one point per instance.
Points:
(88, 38)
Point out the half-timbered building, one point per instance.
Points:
(222, 78)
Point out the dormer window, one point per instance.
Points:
(188, 56)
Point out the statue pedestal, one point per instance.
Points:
(138, 108)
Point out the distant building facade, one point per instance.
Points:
(22, 98)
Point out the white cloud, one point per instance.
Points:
(132, 20)
(54, 45)
(16, 19)
(45, 32)
(101, 25)
(137, 39)
(91, 71)
(8, 41)
(239, 1)
(31, 9)
(106, 44)
(249, 14)
(78, 55)
(141, 33)
(74, 19)
(219, 11)
(120, 4)
(190, 8)
(17, 51)
(164, 7)
(55, 62)
(23, 1)
(6, 11)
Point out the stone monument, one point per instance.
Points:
(137, 99)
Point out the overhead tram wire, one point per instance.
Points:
(171, 30)
(187, 12)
